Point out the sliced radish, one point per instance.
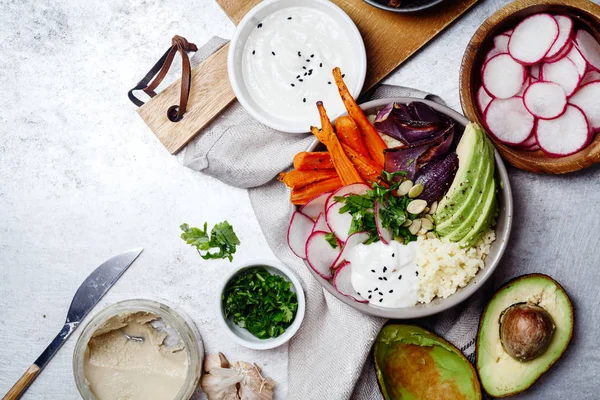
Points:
(483, 99)
(353, 240)
(580, 62)
(298, 232)
(321, 224)
(342, 282)
(564, 72)
(355, 188)
(533, 38)
(492, 53)
(545, 100)
(589, 48)
(508, 32)
(501, 43)
(590, 76)
(565, 30)
(509, 121)
(385, 234)
(503, 77)
(587, 97)
(564, 135)
(530, 142)
(535, 147)
(524, 87)
(535, 71)
(320, 255)
(315, 206)
(338, 223)
(561, 54)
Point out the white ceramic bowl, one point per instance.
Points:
(237, 45)
(243, 336)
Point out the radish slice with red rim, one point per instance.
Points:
(534, 71)
(590, 76)
(530, 142)
(353, 240)
(580, 62)
(564, 72)
(587, 98)
(338, 223)
(492, 53)
(320, 255)
(501, 42)
(509, 121)
(502, 76)
(533, 38)
(342, 282)
(564, 135)
(315, 206)
(385, 234)
(527, 83)
(561, 54)
(545, 100)
(565, 30)
(321, 224)
(589, 48)
(355, 188)
(298, 232)
(483, 99)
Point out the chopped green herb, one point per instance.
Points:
(260, 302)
(222, 237)
(330, 237)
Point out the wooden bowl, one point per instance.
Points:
(586, 15)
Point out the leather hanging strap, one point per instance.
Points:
(158, 72)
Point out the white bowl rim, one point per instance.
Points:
(265, 344)
(237, 81)
(462, 294)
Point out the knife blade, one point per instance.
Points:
(87, 296)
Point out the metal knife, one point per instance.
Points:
(89, 293)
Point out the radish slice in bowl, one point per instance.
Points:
(564, 135)
(492, 53)
(545, 100)
(315, 206)
(338, 223)
(501, 42)
(534, 71)
(502, 76)
(320, 255)
(564, 72)
(587, 98)
(533, 38)
(580, 62)
(355, 188)
(353, 240)
(565, 30)
(298, 232)
(321, 224)
(483, 99)
(342, 282)
(509, 121)
(529, 143)
(589, 48)
(590, 76)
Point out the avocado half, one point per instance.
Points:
(414, 364)
(503, 374)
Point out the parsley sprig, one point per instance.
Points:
(393, 213)
(260, 302)
(222, 237)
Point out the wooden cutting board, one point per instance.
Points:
(390, 39)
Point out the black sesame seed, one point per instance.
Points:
(298, 77)
(293, 85)
(259, 25)
(299, 54)
(384, 268)
(370, 297)
(384, 278)
(376, 288)
(310, 72)
(253, 51)
(304, 100)
(359, 293)
(312, 55)
(373, 271)
(289, 17)
(329, 83)
(391, 290)
(308, 60)
(321, 65)
(380, 278)
(381, 294)
(400, 277)
(306, 73)
(370, 291)
(417, 273)
(273, 52)
(301, 80)
(393, 254)
(380, 300)
(303, 67)
(343, 75)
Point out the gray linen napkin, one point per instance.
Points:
(327, 358)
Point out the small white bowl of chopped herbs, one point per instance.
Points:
(262, 304)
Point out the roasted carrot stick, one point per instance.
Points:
(344, 167)
(297, 179)
(303, 195)
(373, 142)
(367, 168)
(310, 161)
(348, 132)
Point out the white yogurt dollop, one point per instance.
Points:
(287, 64)
(386, 275)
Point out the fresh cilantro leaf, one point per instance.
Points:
(222, 237)
(331, 239)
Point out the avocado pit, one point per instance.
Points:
(526, 331)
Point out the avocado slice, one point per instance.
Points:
(463, 215)
(502, 375)
(414, 364)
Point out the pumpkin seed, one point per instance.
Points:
(416, 190)
(430, 218)
(416, 206)
(426, 224)
(415, 226)
(407, 223)
(433, 207)
(422, 231)
(431, 235)
(405, 187)
(372, 118)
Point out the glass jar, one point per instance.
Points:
(181, 323)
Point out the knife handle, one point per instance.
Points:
(24, 381)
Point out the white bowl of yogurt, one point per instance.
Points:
(281, 57)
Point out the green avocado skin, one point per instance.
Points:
(468, 209)
(449, 365)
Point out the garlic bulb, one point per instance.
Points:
(238, 381)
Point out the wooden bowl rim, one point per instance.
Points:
(532, 161)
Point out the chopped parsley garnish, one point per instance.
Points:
(222, 237)
(393, 211)
(330, 237)
(260, 302)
